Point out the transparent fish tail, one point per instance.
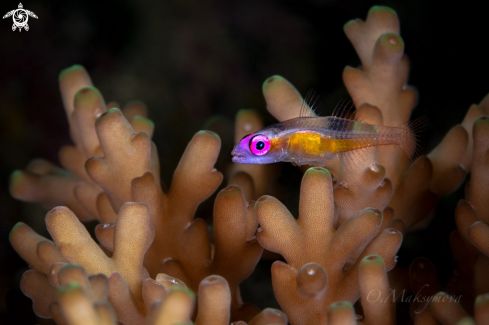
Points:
(409, 137)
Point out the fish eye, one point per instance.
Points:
(259, 144)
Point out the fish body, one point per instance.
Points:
(315, 140)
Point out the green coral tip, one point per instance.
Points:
(466, 321)
(373, 259)
(69, 69)
(482, 299)
(379, 8)
(67, 288)
(144, 120)
(341, 305)
(321, 170)
(178, 287)
(14, 228)
(349, 22)
(246, 111)
(271, 80)
(69, 265)
(207, 132)
(14, 180)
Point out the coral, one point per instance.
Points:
(128, 171)
(376, 300)
(72, 241)
(381, 82)
(321, 264)
(153, 262)
(378, 89)
(45, 183)
(80, 299)
(469, 245)
(433, 306)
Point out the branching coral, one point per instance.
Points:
(432, 306)
(214, 296)
(45, 183)
(129, 172)
(80, 299)
(304, 290)
(124, 269)
(470, 242)
(469, 245)
(151, 256)
(381, 81)
(376, 300)
(381, 96)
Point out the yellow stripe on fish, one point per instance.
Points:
(316, 145)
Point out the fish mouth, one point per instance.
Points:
(237, 156)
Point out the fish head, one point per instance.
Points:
(262, 147)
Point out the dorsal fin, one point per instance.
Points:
(345, 109)
(308, 104)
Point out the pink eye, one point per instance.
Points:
(259, 144)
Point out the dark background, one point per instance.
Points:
(190, 60)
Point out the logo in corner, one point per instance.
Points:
(20, 17)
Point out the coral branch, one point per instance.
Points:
(470, 243)
(477, 192)
(381, 80)
(341, 312)
(310, 239)
(178, 238)
(36, 286)
(283, 100)
(127, 155)
(376, 296)
(50, 185)
(39, 252)
(71, 80)
(175, 309)
(481, 309)
(478, 235)
(267, 316)
(424, 283)
(236, 249)
(133, 235)
(362, 184)
(214, 301)
(82, 299)
(446, 310)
